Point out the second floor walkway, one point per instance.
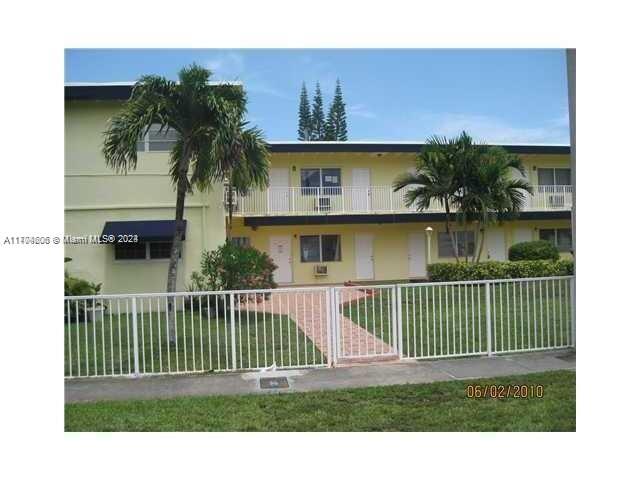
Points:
(284, 201)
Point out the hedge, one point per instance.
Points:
(457, 272)
(535, 250)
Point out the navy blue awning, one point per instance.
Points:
(146, 230)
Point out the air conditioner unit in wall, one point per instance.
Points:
(321, 271)
(323, 204)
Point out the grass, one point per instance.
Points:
(451, 319)
(439, 406)
(106, 346)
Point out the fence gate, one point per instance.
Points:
(365, 323)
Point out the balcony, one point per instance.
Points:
(282, 201)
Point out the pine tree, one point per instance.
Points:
(336, 124)
(330, 123)
(317, 116)
(304, 115)
(340, 114)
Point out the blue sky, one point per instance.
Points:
(501, 96)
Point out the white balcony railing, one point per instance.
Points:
(275, 201)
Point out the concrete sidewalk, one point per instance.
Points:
(168, 386)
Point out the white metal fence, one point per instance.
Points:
(485, 317)
(111, 335)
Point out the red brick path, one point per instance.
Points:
(308, 310)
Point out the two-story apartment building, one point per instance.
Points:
(329, 214)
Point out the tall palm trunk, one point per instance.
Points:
(481, 246)
(172, 274)
(447, 222)
(229, 200)
(466, 238)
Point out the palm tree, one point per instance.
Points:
(494, 194)
(248, 155)
(204, 117)
(435, 180)
(474, 179)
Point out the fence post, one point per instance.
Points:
(134, 312)
(399, 319)
(394, 320)
(487, 301)
(330, 332)
(572, 286)
(232, 307)
(337, 326)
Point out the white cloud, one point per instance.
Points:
(227, 66)
(255, 85)
(232, 66)
(360, 110)
(493, 129)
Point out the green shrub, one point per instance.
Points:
(231, 267)
(536, 250)
(458, 272)
(75, 287)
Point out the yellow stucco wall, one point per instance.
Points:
(390, 244)
(385, 167)
(94, 194)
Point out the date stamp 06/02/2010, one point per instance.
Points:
(504, 391)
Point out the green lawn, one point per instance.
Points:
(451, 319)
(203, 341)
(440, 406)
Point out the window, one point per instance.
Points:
(241, 241)
(554, 176)
(465, 241)
(131, 251)
(320, 248)
(330, 248)
(160, 249)
(329, 179)
(143, 251)
(560, 237)
(158, 141)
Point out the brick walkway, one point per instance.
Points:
(308, 310)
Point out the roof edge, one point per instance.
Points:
(400, 147)
(111, 90)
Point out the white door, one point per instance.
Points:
(278, 190)
(360, 191)
(496, 247)
(280, 250)
(417, 261)
(522, 235)
(364, 256)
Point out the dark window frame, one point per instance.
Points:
(562, 249)
(145, 143)
(322, 188)
(554, 172)
(461, 246)
(147, 251)
(241, 241)
(138, 247)
(321, 248)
